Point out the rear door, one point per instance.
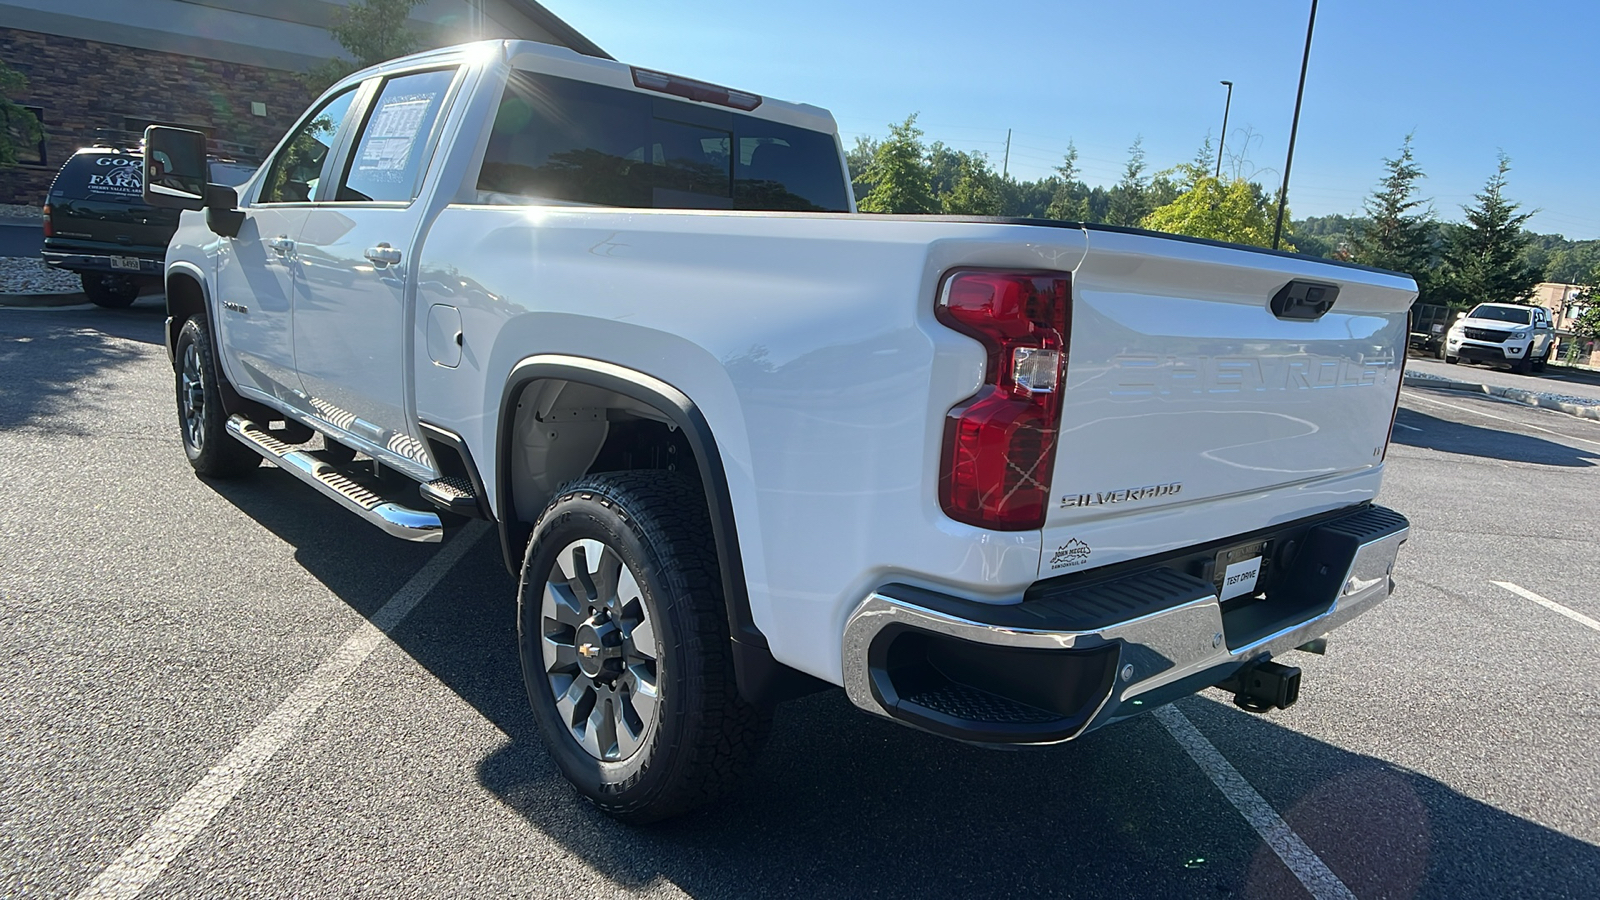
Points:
(256, 270)
(351, 307)
(1188, 398)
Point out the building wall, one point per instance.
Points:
(83, 85)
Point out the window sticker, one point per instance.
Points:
(394, 131)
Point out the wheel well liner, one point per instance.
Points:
(761, 678)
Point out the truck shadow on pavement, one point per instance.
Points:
(843, 804)
(1445, 436)
(50, 361)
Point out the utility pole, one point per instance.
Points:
(1005, 166)
(1222, 141)
(1283, 193)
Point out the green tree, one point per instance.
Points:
(898, 173)
(1130, 198)
(1070, 200)
(977, 189)
(1208, 208)
(1483, 258)
(371, 31)
(1399, 232)
(18, 127)
(1587, 326)
(858, 158)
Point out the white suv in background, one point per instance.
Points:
(1509, 333)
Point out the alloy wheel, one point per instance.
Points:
(600, 651)
(192, 398)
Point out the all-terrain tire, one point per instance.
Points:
(704, 737)
(202, 422)
(109, 291)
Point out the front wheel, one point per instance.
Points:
(1451, 360)
(109, 291)
(624, 643)
(201, 418)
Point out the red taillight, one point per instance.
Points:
(1000, 444)
(703, 91)
(49, 229)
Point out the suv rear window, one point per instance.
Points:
(1501, 314)
(102, 176)
(559, 139)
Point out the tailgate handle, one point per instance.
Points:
(1304, 301)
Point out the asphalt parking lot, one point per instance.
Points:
(196, 702)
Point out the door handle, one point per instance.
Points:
(383, 255)
(281, 244)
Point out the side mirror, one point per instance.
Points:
(174, 168)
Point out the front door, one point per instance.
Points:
(352, 305)
(257, 270)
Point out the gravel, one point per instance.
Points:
(20, 211)
(29, 275)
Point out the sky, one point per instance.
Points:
(1469, 79)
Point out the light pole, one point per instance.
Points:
(1283, 194)
(1221, 141)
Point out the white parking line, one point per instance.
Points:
(1406, 427)
(1477, 412)
(1306, 865)
(1526, 594)
(147, 857)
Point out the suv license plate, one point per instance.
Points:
(125, 262)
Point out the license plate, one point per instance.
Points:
(125, 262)
(1239, 570)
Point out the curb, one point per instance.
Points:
(1515, 395)
(43, 300)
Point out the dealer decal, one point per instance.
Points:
(1072, 553)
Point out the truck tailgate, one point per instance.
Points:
(1185, 392)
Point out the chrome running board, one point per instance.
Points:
(394, 519)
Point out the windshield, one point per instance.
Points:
(1501, 314)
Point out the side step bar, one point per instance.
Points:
(408, 524)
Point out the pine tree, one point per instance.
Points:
(1130, 198)
(1069, 202)
(898, 173)
(1400, 231)
(1483, 261)
(373, 31)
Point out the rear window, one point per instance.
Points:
(1501, 314)
(117, 177)
(559, 139)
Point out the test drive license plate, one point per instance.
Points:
(1239, 570)
(125, 262)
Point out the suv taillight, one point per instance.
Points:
(49, 229)
(1000, 444)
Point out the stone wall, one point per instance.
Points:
(84, 85)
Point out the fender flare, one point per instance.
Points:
(762, 680)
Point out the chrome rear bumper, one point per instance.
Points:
(1046, 671)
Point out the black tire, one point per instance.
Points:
(202, 422)
(1524, 366)
(109, 291)
(703, 736)
(1451, 360)
(1541, 362)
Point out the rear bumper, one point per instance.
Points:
(80, 261)
(1052, 668)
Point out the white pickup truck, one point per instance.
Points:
(1003, 480)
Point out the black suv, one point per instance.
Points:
(96, 223)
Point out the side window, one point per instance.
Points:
(297, 169)
(391, 154)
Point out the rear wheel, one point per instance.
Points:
(110, 291)
(625, 653)
(201, 418)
